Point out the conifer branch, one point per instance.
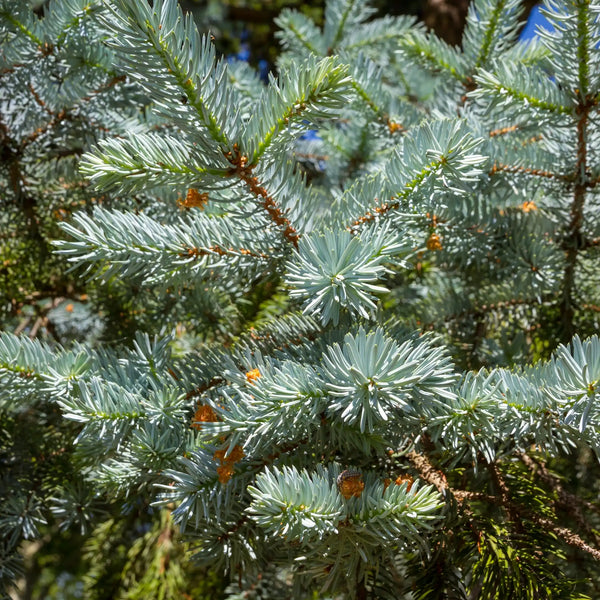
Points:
(426, 50)
(490, 33)
(39, 101)
(515, 512)
(516, 89)
(348, 9)
(303, 39)
(188, 86)
(396, 201)
(196, 252)
(435, 477)
(381, 114)
(504, 130)
(75, 22)
(305, 93)
(583, 42)
(464, 495)
(375, 34)
(9, 16)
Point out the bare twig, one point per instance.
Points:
(428, 472)
(565, 534)
(567, 501)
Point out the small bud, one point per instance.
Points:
(434, 243)
(350, 483)
(405, 479)
(204, 414)
(193, 199)
(528, 206)
(252, 375)
(225, 469)
(225, 472)
(394, 127)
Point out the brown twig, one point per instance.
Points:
(21, 326)
(462, 495)
(567, 501)
(572, 240)
(244, 171)
(475, 311)
(39, 101)
(504, 130)
(514, 169)
(219, 251)
(568, 536)
(375, 212)
(43, 321)
(204, 387)
(65, 115)
(428, 472)
(505, 500)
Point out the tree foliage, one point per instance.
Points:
(334, 334)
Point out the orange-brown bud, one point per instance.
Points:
(204, 414)
(434, 243)
(405, 479)
(350, 483)
(252, 375)
(193, 199)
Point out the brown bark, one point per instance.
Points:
(446, 18)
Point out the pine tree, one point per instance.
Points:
(368, 362)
